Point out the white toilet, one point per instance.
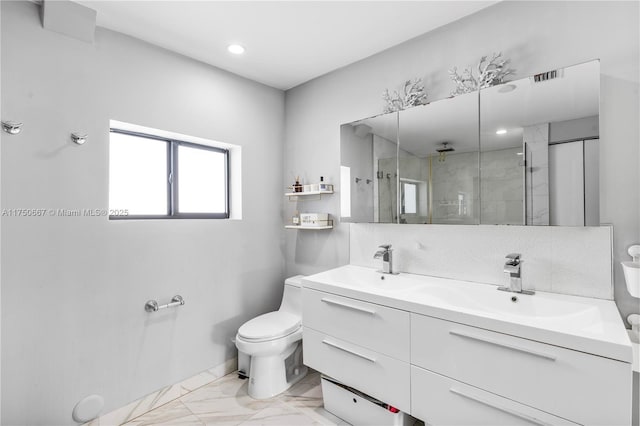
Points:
(270, 346)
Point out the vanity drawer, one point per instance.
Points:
(376, 327)
(584, 388)
(438, 400)
(380, 376)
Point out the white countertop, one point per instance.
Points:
(584, 324)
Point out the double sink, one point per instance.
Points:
(579, 323)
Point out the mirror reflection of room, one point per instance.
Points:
(520, 153)
(441, 145)
(369, 155)
(540, 149)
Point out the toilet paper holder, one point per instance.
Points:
(152, 305)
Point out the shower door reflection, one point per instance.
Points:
(438, 158)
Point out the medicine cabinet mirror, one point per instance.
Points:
(369, 170)
(525, 152)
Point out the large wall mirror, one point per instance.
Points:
(523, 152)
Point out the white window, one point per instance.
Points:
(154, 177)
(409, 198)
(345, 191)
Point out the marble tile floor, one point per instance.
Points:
(225, 402)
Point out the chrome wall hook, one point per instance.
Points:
(79, 138)
(12, 127)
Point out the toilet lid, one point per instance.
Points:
(269, 326)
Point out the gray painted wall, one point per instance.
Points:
(537, 36)
(1, 205)
(74, 288)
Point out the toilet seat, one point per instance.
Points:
(269, 326)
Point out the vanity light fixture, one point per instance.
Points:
(236, 49)
(501, 131)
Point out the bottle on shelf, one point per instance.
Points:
(297, 187)
(323, 186)
(295, 220)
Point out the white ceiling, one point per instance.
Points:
(287, 42)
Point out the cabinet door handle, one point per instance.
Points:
(342, 348)
(503, 345)
(503, 409)
(349, 306)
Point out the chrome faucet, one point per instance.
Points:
(512, 267)
(386, 253)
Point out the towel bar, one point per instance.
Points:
(152, 305)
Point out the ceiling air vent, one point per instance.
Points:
(546, 76)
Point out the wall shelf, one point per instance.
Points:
(326, 224)
(308, 227)
(307, 193)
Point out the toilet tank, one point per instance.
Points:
(292, 296)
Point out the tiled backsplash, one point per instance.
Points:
(568, 260)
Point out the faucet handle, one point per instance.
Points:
(387, 247)
(514, 258)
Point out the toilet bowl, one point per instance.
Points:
(270, 346)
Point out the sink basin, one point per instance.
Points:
(366, 278)
(541, 308)
(580, 323)
(462, 295)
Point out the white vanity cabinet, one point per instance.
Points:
(440, 400)
(361, 344)
(380, 328)
(409, 346)
(573, 385)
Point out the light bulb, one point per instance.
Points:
(236, 49)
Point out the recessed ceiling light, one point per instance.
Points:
(236, 49)
(501, 131)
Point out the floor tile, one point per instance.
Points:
(304, 394)
(226, 402)
(322, 416)
(173, 413)
(279, 414)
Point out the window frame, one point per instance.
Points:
(403, 197)
(173, 176)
